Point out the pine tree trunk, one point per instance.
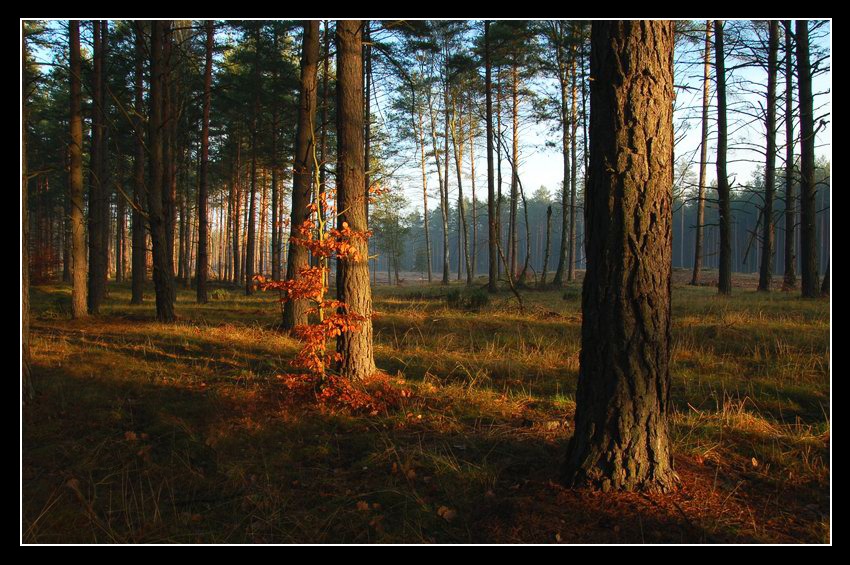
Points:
(28, 392)
(790, 275)
(97, 254)
(808, 189)
(513, 232)
(353, 289)
(563, 250)
(295, 311)
(623, 397)
(703, 156)
(424, 193)
(163, 270)
(79, 292)
(250, 244)
(724, 284)
(203, 190)
(766, 270)
(492, 218)
(571, 263)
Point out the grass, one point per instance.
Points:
(151, 433)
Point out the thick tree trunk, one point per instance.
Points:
(724, 283)
(766, 270)
(295, 311)
(808, 189)
(163, 270)
(203, 189)
(492, 218)
(353, 282)
(79, 291)
(703, 156)
(790, 276)
(623, 398)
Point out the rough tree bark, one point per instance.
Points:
(353, 281)
(808, 190)
(295, 311)
(622, 401)
(250, 244)
(203, 226)
(163, 270)
(98, 257)
(79, 291)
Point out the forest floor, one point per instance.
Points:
(149, 433)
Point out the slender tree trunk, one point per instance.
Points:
(492, 217)
(623, 397)
(27, 390)
(169, 193)
(703, 156)
(295, 311)
(474, 246)
(563, 252)
(79, 291)
(367, 100)
(790, 276)
(97, 254)
(766, 270)
(548, 243)
(571, 263)
(443, 198)
(445, 185)
(425, 192)
(724, 284)
(808, 188)
(163, 270)
(353, 289)
(237, 212)
(457, 142)
(203, 190)
(513, 237)
(250, 244)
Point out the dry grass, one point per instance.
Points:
(144, 432)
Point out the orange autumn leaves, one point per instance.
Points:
(329, 318)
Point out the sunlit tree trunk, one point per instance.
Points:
(766, 270)
(203, 189)
(492, 219)
(79, 290)
(295, 311)
(353, 282)
(250, 244)
(621, 436)
(563, 250)
(571, 263)
(703, 156)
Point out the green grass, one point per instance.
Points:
(144, 432)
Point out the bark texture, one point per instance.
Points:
(353, 281)
(622, 402)
(295, 311)
(79, 291)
